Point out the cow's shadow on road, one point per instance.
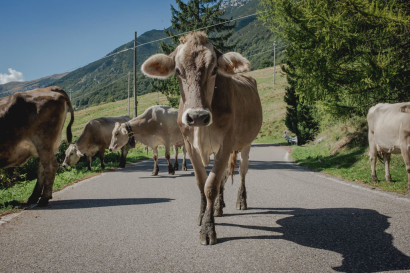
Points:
(97, 203)
(359, 235)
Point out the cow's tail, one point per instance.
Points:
(232, 163)
(70, 107)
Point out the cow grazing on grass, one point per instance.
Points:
(31, 124)
(389, 132)
(220, 113)
(95, 138)
(156, 126)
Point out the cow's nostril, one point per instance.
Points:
(207, 119)
(110, 149)
(189, 119)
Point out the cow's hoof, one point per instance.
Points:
(32, 200)
(374, 179)
(208, 238)
(241, 205)
(176, 167)
(155, 172)
(171, 170)
(388, 179)
(184, 168)
(43, 202)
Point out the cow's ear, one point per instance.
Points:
(159, 66)
(232, 63)
(124, 131)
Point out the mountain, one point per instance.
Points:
(10, 88)
(107, 79)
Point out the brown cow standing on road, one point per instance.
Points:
(31, 125)
(219, 113)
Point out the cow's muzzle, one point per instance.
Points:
(197, 117)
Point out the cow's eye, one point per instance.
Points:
(177, 72)
(116, 134)
(215, 70)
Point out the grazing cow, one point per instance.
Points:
(96, 137)
(389, 132)
(156, 126)
(220, 113)
(31, 125)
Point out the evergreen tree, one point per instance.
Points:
(348, 55)
(204, 15)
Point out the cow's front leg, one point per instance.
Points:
(168, 157)
(101, 156)
(405, 152)
(123, 159)
(176, 165)
(89, 161)
(220, 203)
(155, 157)
(212, 184)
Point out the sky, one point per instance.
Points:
(40, 38)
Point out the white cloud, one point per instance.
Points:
(13, 76)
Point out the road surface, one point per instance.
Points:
(128, 221)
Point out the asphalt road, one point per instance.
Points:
(129, 221)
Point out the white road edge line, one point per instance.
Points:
(346, 183)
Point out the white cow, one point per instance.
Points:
(389, 132)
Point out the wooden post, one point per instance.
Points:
(129, 74)
(274, 62)
(135, 75)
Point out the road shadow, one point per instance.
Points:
(359, 235)
(98, 203)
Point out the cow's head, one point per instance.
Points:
(72, 155)
(119, 137)
(196, 64)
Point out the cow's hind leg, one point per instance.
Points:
(243, 170)
(387, 174)
(168, 157)
(38, 188)
(405, 152)
(50, 168)
(176, 165)
(155, 157)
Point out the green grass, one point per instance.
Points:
(351, 163)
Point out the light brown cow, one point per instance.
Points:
(31, 125)
(389, 132)
(219, 113)
(96, 137)
(156, 126)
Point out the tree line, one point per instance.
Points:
(342, 57)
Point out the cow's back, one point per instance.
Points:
(388, 122)
(97, 133)
(30, 121)
(158, 125)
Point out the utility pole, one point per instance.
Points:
(129, 74)
(135, 75)
(274, 62)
